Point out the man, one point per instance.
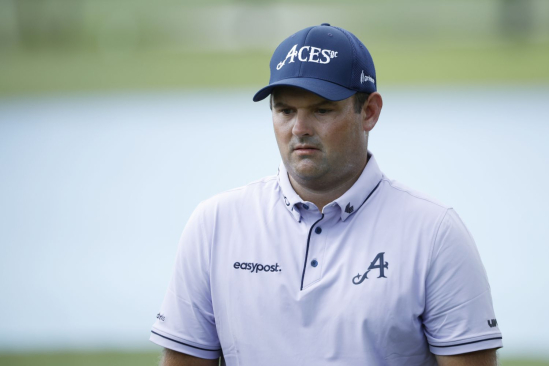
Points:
(329, 262)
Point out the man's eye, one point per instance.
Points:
(323, 111)
(286, 111)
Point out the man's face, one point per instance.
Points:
(321, 142)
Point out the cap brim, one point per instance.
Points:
(325, 89)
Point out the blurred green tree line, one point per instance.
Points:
(203, 24)
(68, 44)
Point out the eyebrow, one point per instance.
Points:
(280, 105)
(319, 104)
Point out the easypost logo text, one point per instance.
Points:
(256, 267)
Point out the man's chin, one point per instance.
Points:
(307, 170)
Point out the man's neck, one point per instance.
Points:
(321, 197)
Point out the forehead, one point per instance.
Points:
(292, 95)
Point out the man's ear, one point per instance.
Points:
(371, 111)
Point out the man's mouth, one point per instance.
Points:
(305, 148)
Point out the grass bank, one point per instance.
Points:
(136, 359)
(60, 72)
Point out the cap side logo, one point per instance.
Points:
(365, 78)
(308, 54)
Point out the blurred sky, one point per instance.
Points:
(117, 118)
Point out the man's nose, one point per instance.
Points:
(302, 124)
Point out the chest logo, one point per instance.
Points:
(256, 267)
(382, 266)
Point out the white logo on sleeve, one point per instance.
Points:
(365, 78)
(308, 54)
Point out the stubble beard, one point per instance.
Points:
(320, 174)
(309, 172)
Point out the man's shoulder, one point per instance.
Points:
(409, 198)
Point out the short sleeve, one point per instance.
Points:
(459, 315)
(186, 322)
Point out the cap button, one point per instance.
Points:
(326, 24)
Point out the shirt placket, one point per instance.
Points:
(315, 248)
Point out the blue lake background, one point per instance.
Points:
(96, 189)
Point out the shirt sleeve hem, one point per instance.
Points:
(466, 346)
(189, 348)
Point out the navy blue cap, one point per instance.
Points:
(325, 60)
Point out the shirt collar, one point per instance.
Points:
(291, 199)
(349, 203)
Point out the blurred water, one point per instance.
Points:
(95, 190)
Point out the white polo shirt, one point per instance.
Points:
(382, 276)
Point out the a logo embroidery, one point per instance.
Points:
(256, 267)
(160, 317)
(382, 266)
(492, 323)
(316, 55)
(349, 209)
(365, 78)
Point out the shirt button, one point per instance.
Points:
(318, 230)
(305, 206)
(314, 263)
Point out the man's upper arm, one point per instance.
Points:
(173, 358)
(480, 358)
(459, 316)
(186, 321)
